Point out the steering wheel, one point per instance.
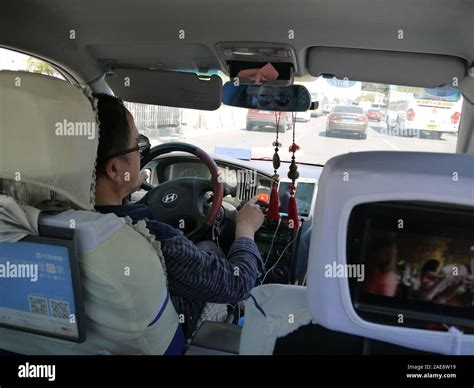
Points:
(182, 199)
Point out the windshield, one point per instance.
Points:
(408, 119)
(244, 133)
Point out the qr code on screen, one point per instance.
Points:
(38, 305)
(59, 309)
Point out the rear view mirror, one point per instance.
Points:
(292, 98)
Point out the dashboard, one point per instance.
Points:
(237, 179)
(241, 182)
(196, 169)
(284, 250)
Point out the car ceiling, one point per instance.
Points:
(145, 33)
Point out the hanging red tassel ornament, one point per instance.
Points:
(293, 220)
(274, 207)
(293, 174)
(273, 213)
(293, 210)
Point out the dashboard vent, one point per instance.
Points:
(247, 183)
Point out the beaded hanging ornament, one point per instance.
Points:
(274, 207)
(293, 174)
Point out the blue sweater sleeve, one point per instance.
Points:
(200, 276)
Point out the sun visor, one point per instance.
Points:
(388, 67)
(169, 88)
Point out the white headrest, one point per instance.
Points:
(352, 179)
(48, 136)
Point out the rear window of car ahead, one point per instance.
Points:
(349, 109)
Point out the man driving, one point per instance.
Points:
(195, 277)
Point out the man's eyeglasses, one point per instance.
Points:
(143, 147)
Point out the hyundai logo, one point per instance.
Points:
(168, 198)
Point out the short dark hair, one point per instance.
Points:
(430, 265)
(114, 134)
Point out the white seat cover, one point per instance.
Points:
(126, 300)
(45, 138)
(272, 311)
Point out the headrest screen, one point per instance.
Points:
(40, 288)
(418, 264)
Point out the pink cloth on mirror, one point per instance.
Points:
(259, 75)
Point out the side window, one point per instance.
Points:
(13, 60)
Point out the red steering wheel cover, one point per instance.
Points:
(216, 183)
